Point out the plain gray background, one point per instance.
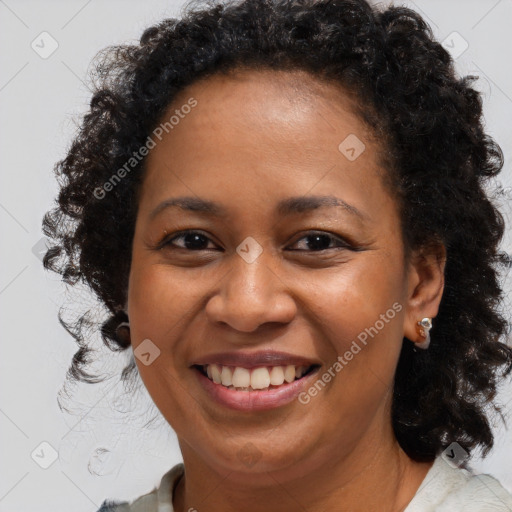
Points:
(103, 448)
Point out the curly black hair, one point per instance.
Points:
(438, 160)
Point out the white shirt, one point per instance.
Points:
(444, 489)
(450, 489)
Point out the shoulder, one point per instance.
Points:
(480, 493)
(158, 500)
(447, 488)
(111, 506)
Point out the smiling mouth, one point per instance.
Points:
(254, 379)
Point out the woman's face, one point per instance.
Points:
(275, 274)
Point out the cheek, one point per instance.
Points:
(359, 319)
(352, 299)
(159, 299)
(359, 314)
(160, 303)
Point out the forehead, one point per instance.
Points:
(282, 133)
(272, 95)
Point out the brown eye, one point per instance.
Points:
(190, 240)
(322, 241)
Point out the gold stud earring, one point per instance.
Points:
(425, 325)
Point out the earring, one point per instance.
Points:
(424, 327)
(123, 333)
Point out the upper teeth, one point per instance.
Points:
(255, 378)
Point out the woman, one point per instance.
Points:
(282, 205)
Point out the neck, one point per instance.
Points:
(375, 475)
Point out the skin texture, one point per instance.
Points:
(253, 139)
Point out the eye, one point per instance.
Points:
(196, 241)
(191, 240)
(321, 241)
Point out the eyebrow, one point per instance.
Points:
(289, 206)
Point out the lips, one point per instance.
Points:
(262, 377)
(254, 381)
(256, 359)
(248, 399)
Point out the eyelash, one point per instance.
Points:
(167, 241)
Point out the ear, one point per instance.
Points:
(425, 287)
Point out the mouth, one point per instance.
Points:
(262, 378)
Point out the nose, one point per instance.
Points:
(250, 295)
